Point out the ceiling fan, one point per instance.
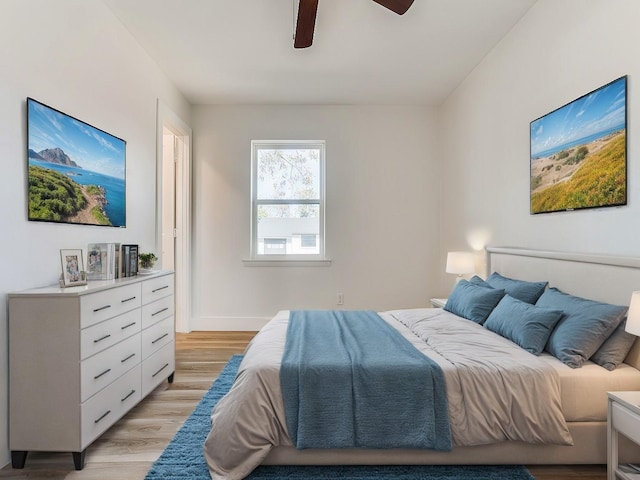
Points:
(307, 10)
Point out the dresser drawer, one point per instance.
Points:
(158, 310)
(626, 422)
(158, 367)
(103, 368)
(102, 410)
(156, 288)
(102, 335)
(99, 306)
(157, 336)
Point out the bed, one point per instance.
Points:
(561, 411)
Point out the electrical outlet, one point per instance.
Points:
(341, 299)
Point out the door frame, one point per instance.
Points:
(167, 118)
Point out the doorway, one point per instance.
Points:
(173, 235)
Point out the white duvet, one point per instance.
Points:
(496, 391)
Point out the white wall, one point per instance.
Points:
(75, 56)
(382, 182)
(559, 51)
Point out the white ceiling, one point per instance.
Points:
(241, 51)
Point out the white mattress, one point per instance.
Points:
(583, 391)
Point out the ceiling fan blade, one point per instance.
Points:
(397, 6)
(305, 24)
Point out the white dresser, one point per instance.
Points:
(82, 357)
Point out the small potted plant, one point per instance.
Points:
(146, 261)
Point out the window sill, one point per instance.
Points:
(250, 262)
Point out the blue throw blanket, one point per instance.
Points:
(350, 380)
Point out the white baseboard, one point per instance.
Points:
(228, 324)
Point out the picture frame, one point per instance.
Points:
(76, 172)
(72, 264)
(98, 261)
(578, 153)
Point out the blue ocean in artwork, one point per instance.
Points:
(580, 141)
(114, 187)
(582, 121)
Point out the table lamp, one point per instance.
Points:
(461, 263)
(633, 315)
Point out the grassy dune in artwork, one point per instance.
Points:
(52, 195)
(599, 181)
(99, 216)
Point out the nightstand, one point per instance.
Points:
(623, 417)
(438, 302)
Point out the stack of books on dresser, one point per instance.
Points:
(129, 260)
(108, 261)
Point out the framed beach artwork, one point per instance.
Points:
(578, 153)
(76, 171)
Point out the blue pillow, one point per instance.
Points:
(473, 302)
(526, 291)
(476, 280)
(615, 348)
(524, 324)
(583, 329)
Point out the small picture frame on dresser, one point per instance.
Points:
(98, 258)
(72, 268)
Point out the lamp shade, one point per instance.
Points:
(633, 315)
(460, 263)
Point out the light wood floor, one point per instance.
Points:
(127, 450)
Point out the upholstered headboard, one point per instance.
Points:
(605, 278)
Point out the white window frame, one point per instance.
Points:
(257, 259)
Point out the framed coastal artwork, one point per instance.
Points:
(578, 153)
(76, 172)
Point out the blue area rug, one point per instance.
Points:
(183, 458)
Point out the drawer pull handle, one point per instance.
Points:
(127, 358)
(165, 366)
(101, 374)
(160, 311)
(127, 299)
(159, 338)
(128, 325)
(128, 395)
(95, 310)
(102, 416)
(102, 338)
(159, 288)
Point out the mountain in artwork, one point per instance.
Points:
(53, 155)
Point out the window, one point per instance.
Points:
(287, 198)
